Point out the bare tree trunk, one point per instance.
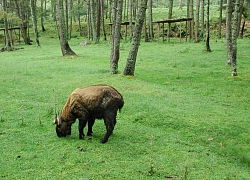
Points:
(208, 29)
(8, 45)
(229, 32)
(191, 9)
(115, 43)
(150, 20)
(103, 21)
(63, 36)
(130, 19)
(241, 8)
(197, 20)
(131, 60)
(98, 23)
(34, 20)
(170, 12)
(42, 15)
(220, 20)
(234, 38)
(93, 20)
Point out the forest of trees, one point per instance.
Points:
(96, 14)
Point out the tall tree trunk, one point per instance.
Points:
(34, 20)
(208, 29)
(241, 8)
(98, 23)
(150, 20)
(191, 9)
(197, 20)
(131, 60)
(130, 19)
(170, 12)
(8, 45)
(93, 20)
(234, 38)
(220, 20)
(63, 36)
(115, 43)
(42, 15)
(79, 16)
(229, 32)
(103, 20)
(202, 19)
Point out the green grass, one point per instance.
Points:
(184, 115)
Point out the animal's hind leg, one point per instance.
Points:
(91, 122)
(110, 121)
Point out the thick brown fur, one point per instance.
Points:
(88, 104)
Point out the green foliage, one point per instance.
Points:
(184, 116)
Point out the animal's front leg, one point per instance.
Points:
(82, 124)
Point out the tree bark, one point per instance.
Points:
(197, 20)
(93, 20)
(8, 45)
(42, 15)
(131, 60)
(170, 12)
(34, 20)
(63, 36)
(229, 31)
(220, 20)
(202, 19)
(115, 43)
(234, 38)
(208, 29)
(150, 20)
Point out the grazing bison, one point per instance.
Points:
(86, 105)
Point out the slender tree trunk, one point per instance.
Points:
(191, 9)
(131, 60)
(130, 19)
(98, 23)
(115, 43)
(220, 20)
(234, 38)
(241, 8)
(34, 20)
(197, 20)
(103, 21)
(150, 20)
(8, 45)
(170, 12)
(229, 32)
(42, 15)
(202, 19)
(93, 20)
(63, 36)
(208, 29)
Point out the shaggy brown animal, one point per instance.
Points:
(86, 105)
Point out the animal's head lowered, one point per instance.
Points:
(63, 128)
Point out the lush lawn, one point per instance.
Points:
(184, 115)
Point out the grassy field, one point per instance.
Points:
(184, 116)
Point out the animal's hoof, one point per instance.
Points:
(104, 141)
(89, 133)
(81, 136)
